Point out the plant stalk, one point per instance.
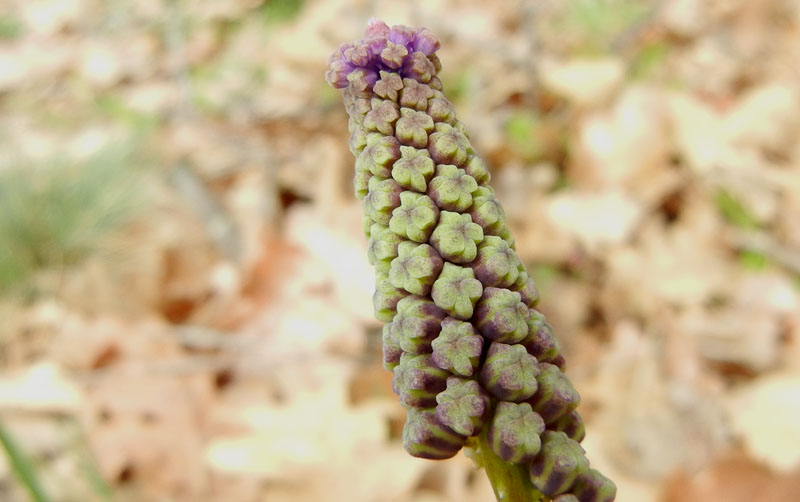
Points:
(510, 482)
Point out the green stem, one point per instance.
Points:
(510, 482)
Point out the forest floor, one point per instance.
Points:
(185, 300)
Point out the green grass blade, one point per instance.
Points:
(22, 467)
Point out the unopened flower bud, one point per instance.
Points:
(509, 372)
(514, 432)
(425, 437)
(558, 464)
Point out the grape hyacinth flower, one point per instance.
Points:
(474, 363)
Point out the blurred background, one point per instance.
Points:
(185, 300)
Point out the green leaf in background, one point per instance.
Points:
(734, 212)
(278, 11)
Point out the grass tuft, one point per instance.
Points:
(55, 214)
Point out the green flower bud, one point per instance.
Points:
(509, 372)
(382, 116)
(418, 67)
(441, 110)
(497, 264)
(379, 157)
(382, 247)
(416, 217)
(415, 95)
(418, 323)
(558, 464)
(456, 237)
(361, 182)
(357, 107)
(417, 380)
(414, 169)
(572, 425)
(391, 346)
(413, 127)
(451, 188)
(388, 85)
(486, 211)
(386, 298)
(456, 291)
(514, 432)
(476, 167)
(526, 288)
(462, 406)
(425, 437)
(592, 486)
(447, 145)
(555, 396)
(540, 342)
(382, 199)
(501, 316)
(416, 267)
(458, 347)
(358, 138)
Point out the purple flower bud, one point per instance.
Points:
(391, 346)
(415, 95)
(514, 432)
(362, 79)
(558, 464)
(426, 42)
(418, 322)
(462, 406)
(358, 54)
(388, 85)
(501, 316)
(572, 425)
(526, 288)
(376, 28)
(394, 55)
(417, 380)
(457, 348)
(594, 487)
(425, 437)
(486, 211)
(448, 145)
(540, 342)
(402, 35)
(509, 372)
(417, 66)
(382, 117)
(555, 396)
(496, 265)
(441, 111)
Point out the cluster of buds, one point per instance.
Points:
(469, 351)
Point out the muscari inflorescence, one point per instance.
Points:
(468, 349)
